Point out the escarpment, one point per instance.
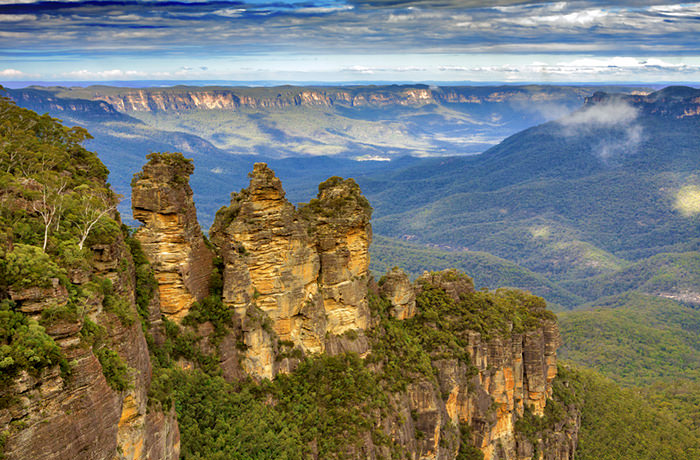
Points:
(171, 237)
(75, 368)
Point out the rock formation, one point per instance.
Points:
(510, 374)
(171, 237)
(396, 286)
(305, 271)
(339, 221)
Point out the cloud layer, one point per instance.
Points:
(161, 32)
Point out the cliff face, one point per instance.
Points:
(304, 272)
(54, 415)
(75, 369)
(185, 99)
(508, 379)
(171, 237)
(155, 100)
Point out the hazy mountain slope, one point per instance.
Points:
(619, 176)
(634, 338)
(641, 341)
(621, 424)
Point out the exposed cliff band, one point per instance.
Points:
(171, 238)
(306, 270)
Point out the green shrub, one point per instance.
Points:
(28, 266)
(146, 284)
(24, 345)
(114, 369)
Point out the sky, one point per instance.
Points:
(350, 41)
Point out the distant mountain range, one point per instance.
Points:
(616, 180)
(286, 121)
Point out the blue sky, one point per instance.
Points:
(350, 40)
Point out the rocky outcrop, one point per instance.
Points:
(56, 416)
(339, 220)
(171, 237)
(295, 276)
(508, 379)
(396, 287)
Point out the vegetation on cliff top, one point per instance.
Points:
(56, 204)
(330, 404)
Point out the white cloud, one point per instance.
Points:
(17, 17)
(104, 74)
(15, 74)
(610, 114)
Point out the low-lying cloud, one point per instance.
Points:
(618, 118)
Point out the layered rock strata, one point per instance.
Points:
(54, 416)
(510, 374)
(304, 271)
(161, 199)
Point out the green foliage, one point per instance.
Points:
(489, 313)
(329, 400)
(61, 313)
(335, 204)
(93, 334)
(398, 349)
(212, 309)
(621, 424)
(467, 450)
(114, 302)
(24, 345)
(641, 341)
(184, 343)
(181, 167)
(634, 338)
(114, 369)
(662, 273)
(146, 284)
(28, 266)
(231, 422)
(50, 182)
(333, 398)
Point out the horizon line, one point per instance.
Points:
(19, 84)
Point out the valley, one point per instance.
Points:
(594, 209)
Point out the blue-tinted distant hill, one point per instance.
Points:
(617, 179)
